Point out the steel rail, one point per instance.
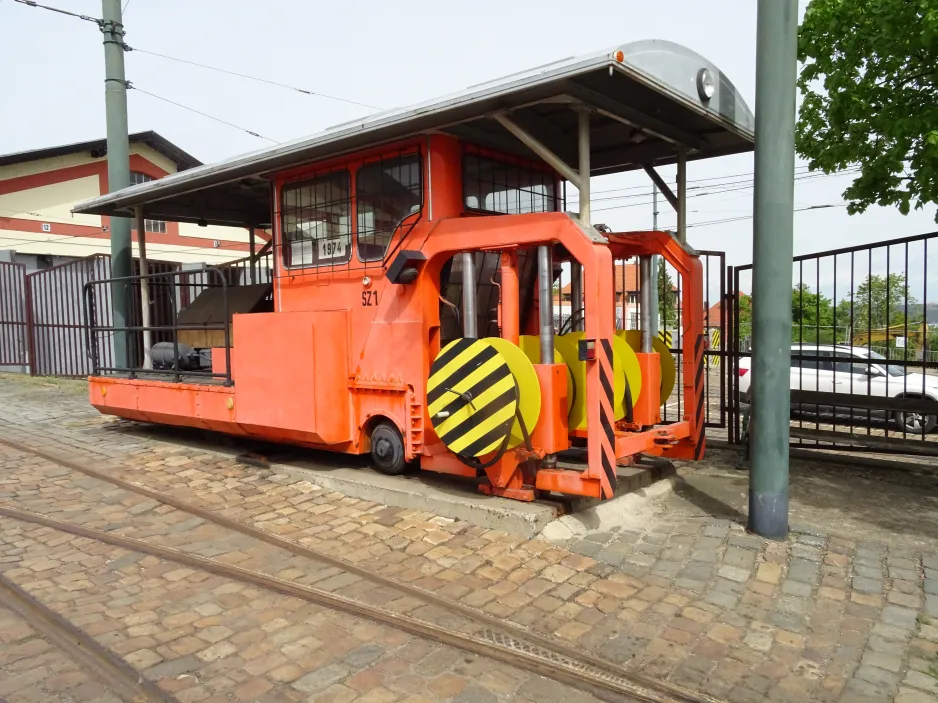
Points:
(676, 693)
(120, 677)
(496, 644)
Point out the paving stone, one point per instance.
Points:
(796, 588)
(750, 542)
(931, 605)
(475, 694)
(363, 656)
(867, 585)
(321, 678)
(734, 573)
(803, 571)
(896, 616)
(622, 648)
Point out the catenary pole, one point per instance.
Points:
(118, 168)
(776, 57)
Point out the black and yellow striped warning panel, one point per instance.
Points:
(666, 338)
(472, 397)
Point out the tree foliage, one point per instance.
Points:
(870, 88)
(879, 302)
(667, 297)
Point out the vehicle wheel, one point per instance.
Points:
(916, 423)
(387, 449)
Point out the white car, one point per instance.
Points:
(858, 371)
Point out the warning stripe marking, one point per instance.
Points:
(698, 390)
(608, 437)
(472, 398)
(474, 383)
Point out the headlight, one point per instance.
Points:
(705, 84)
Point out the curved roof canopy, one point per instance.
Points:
(645, 98)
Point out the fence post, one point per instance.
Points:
(30, 324)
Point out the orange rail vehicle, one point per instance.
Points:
(410, 311)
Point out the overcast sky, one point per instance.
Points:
(388, 54)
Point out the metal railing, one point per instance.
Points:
(166, 286)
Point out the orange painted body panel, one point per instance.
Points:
(647, 410)
(292, 373)
(552, 433)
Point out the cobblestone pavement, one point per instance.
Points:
(688, 597)
(33, 671)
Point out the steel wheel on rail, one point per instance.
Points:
(387, 449)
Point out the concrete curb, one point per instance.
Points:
(630, 509)
(448, 500)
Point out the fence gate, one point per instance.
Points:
(58, 332)
(14, 320)
(864, 348)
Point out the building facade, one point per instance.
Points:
(39, 188)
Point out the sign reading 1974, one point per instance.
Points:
(331, 248)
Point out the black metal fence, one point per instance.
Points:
(43, 330)
(14, 320)
(864, 370)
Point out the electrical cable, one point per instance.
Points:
(32, 3)
(130, 86)
(254, 78)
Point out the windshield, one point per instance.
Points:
(891, 369)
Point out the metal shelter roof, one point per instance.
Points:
(645, 104)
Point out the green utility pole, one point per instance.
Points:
(776, 57)
(118, 167)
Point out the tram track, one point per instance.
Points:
(492, 637)
(81, 648)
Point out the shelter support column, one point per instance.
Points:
(776, 55)
(682, 195)
(252, 258)
(144, 286)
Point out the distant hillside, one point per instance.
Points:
(931, 312)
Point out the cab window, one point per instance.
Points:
(499, 187)
(386, 193)
(316, 221)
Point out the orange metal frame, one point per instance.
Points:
(325, 367)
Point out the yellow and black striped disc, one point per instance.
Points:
(471, 397)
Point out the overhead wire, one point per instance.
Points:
(726, 220)
(131, 86)
(32, 3)
(738, 186)
(254, 78)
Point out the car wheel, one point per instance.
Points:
(387, 449)
(916, 423)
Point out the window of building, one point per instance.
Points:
(316, 221)
(150, 225)
(386, 194)
(501, 187)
